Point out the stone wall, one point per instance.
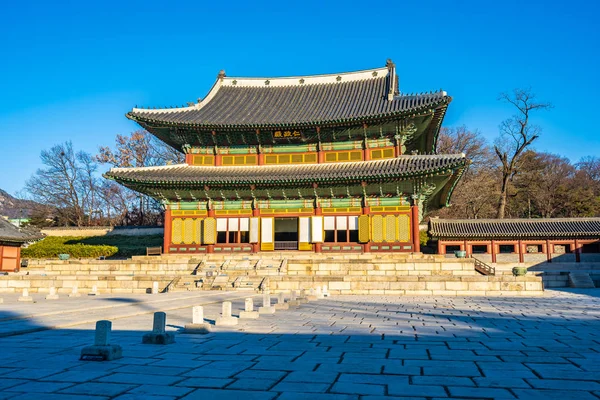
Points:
(104, 230)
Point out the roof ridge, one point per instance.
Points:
(512, 220)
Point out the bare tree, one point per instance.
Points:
(139, 149)
(516, 135)
(67, 183)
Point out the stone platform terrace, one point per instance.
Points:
(375, 274)
(342, 347)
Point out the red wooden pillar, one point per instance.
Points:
(256, 246)
(367, 246)
(467, 252)
(520, 246)
(577, 251)
(318, 211)
(415, 228)
(493, 251)
(441, 248)
(548, 251)
(167, 231)
(210, 248)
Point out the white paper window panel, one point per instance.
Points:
(329, 223)
(233, 224)
(221, 224)
(317, 229)
(304, 230)
(341, 222)
(254, 231)
(266, 230)
(353, 223)
(244, 224)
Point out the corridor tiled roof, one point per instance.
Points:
(513, 228)
(378, 170)
(11, 234)
(297, 101)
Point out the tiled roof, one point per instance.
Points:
(514, 228)
(297, 101)
(371, 171)
(12, 234)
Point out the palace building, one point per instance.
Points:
(327, 163)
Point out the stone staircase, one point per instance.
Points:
(581, 280)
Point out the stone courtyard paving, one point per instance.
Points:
(343, 347)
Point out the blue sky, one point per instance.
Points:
(71, 70)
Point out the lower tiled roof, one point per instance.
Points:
(11, 234)
(514, 228)
(371, 171)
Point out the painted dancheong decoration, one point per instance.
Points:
(328, 163)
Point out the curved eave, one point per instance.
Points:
(413, 112)
(370, 178)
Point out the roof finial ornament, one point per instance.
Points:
(393, 81)
(221, 74)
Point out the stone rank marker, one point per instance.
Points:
(266, 308)
(155, 288)
(281, 304)
(198, 326)
(325, 292)
(25, 296)
(311, 295)
(303, 299)
(293, 302)
(102, 350)
(226, 319)
(249, 312)
(94, 291)
(52, 294)
(74, 292)
(319, 293)
(159, 335)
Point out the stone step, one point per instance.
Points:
(581, 280)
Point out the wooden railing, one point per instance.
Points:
(286, 245)
(483, 268)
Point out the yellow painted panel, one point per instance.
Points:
(304, 246)
(267, 246)
(390, 228)
(187, 213)
(403, 228)
(210, 230)
(310, 158)
(197, 230)
(176, 231)
(188, 231)
(364, 228)
(377, 227)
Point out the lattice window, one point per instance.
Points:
(251, 159)
(343, 156)
(203, 160)
(390, 228)
(380, 154)
(300, 158)
(403, 228)
(177, 231)
(377, 225)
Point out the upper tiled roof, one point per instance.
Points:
(513, 228)
(377, 171)
(297, 101)
(12, 234)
